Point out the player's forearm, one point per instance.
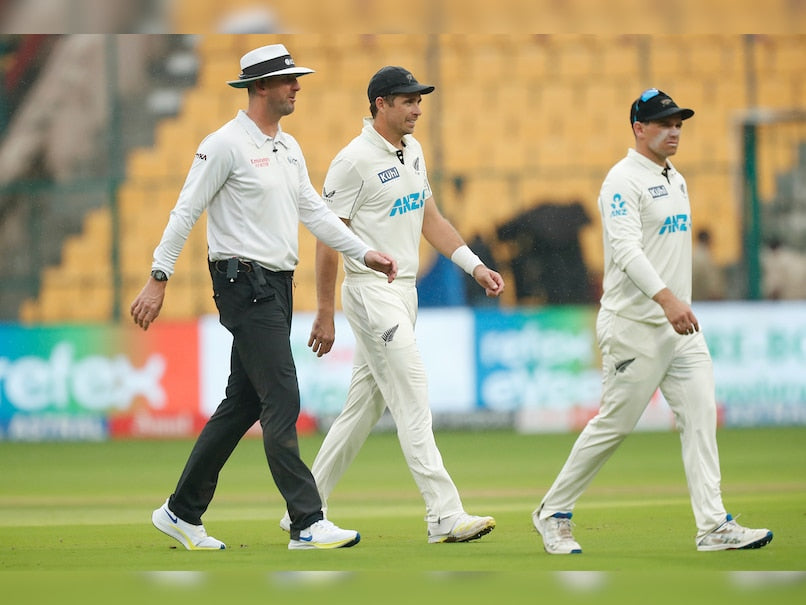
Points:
(327, 267)
(643, 275)
(438, 231)
(443, 237)
(665, 297)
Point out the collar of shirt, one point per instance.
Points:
(376, 139)
(648, 164)
(259, 137)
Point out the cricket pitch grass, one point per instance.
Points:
(75, 526)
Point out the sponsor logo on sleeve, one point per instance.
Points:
(618, 206)
(659, 191)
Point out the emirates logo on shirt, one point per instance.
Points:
(260, 162)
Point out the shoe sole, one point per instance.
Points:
(475, 535)
(757, 544)
(575, 551)
(300, 545)
(174, 532)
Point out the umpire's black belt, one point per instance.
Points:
(241, 266)
(237, 265)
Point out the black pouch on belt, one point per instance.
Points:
(261, 290)
(232, 269)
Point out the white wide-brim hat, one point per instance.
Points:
(267, 61)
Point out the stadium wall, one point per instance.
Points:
(536, 370)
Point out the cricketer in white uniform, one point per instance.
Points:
(378, 184)
(648, 335)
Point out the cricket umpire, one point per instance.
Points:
(252, 179)
(648, 335)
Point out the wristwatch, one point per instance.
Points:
(159, 275)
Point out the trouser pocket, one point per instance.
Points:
(262, 290)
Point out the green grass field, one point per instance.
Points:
(78, 514)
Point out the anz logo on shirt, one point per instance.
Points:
(407, 203)
(617, 206)
(675, 223)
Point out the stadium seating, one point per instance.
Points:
(516, 120)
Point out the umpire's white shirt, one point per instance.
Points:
(256, 190)
(645, 217)
(367, 175)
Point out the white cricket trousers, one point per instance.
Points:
(637, 358)
(388, 371)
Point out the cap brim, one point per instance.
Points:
(685, 114)
(291, 71)
(411, 89)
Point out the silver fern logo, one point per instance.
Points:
(389, 335)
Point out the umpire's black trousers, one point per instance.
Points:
(256, 309)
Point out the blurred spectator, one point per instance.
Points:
(783, 271)
(707, 277)
(78, 16)
(255, 19)
(548, 265)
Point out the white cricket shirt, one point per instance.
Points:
(382, 197)
(644, 214)
(256, 190)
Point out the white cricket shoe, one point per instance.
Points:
(192, 537)
(732, 536)
(323, 535)
(285, 523)
(460, 528)
(556, 533)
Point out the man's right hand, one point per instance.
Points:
(678, 312)
(383, 263)
(323, 334)
(146, 307)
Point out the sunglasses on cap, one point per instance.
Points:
(649, 93)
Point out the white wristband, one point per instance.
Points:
(463, 257)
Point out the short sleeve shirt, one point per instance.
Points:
(382, 196)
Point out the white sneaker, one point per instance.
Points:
(285, 522)
(323, 534)
(556, 533)
(460, 528)
(192, 537)
(732, 536)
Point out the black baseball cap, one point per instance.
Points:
(394, 80)
(654, 104)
